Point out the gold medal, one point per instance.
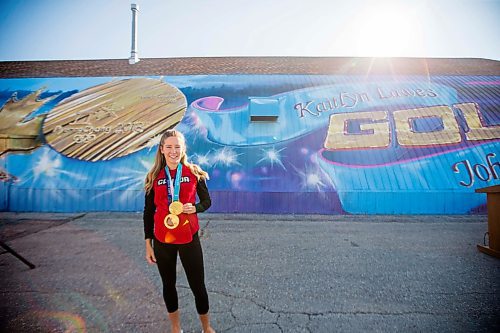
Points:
(105, 121)
(173, 223)
(175, 207)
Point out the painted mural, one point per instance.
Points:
(324, 144)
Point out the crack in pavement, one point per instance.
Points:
(235, 317)
(326, 313)
(453, 294)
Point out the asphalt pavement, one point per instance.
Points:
(264, 273)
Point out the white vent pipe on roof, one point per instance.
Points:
(134, 58)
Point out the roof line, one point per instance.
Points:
(250, 65)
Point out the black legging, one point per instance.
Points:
(192, 260)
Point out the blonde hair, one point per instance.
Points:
(160, 162)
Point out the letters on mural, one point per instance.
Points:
(354, 99)
(375, 130)
(85, 128)
(486, 171)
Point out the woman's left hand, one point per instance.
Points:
(188, 208)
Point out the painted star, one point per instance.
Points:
(313, 178)
(226, 157)
(202, 159)
(272, 156)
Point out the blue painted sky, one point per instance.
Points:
(93, 29)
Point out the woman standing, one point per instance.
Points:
(171, 224)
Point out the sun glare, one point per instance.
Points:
(387, 29)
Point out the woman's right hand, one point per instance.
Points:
(150, 254)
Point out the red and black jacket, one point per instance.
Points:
(157, 202)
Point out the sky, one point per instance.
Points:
(101, 29)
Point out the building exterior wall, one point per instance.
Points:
(272, 143)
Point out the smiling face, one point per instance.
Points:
(173, 149)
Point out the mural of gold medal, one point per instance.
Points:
(175, 207)
(114, 119)
(174, 221)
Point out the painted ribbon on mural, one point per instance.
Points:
(403, 139)
(440, 152)
(299, 112)
(443, 181)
